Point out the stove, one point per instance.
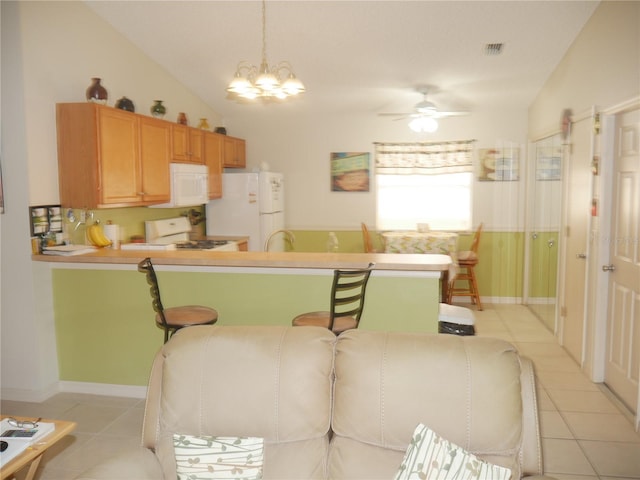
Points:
(173, 234)
(218, 245)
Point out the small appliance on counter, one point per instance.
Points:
(173, 234)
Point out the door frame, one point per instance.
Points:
(600, 288)
(563, 259)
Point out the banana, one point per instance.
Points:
(96, 235)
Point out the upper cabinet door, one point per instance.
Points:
(155, 156)
(213, 145)
(186, 144)
(118, 139)
(234, 152)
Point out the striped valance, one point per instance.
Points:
(424, 158)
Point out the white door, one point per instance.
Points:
(576, 235)
(623, 320)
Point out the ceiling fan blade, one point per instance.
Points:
(450, 114)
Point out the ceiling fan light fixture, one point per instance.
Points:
(423, 124)
(264, 82)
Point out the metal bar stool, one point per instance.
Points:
(347, 302)
(174, 318)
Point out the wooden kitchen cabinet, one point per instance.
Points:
(155, 157)
(187, 144)
(111, 158)
(235, 153)
(213, 151)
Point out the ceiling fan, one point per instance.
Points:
(425, 114)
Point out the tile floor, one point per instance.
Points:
(584, 434)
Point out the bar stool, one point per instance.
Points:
(347, 302)
(174, 318)
(467, 260)
(456, 320)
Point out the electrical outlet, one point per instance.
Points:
(83, 216)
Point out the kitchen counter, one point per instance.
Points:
(305, 260)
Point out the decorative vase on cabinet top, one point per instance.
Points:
(125, 104)
(182, 119)
(204, 124)
(96, 92)
(158, 109)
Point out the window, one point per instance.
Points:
(442, 201)
(424, 183)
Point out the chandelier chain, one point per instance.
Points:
(264, 30)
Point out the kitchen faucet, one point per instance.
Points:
(290, 237)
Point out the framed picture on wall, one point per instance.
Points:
(549, 162)
(499, 164)
(350, 172)
(45, 219)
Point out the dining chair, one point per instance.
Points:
(174, 318)
(347, 302)
(366, 240)
(467, 261)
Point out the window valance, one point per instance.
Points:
(424, 158)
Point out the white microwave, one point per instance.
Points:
(189, 185)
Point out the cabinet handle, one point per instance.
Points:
(581, 255)
(608, 268)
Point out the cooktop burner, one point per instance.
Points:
(201, 244)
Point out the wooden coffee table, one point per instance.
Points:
(33, 454)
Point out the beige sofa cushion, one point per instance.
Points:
(222, 381)
(467, 389)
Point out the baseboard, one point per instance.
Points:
(32, 396)
(132, 391)
(489, 300)
(104, 389)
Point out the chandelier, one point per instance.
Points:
(266, 82)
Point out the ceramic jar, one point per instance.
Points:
(158, 109)
(96, 92)
(125, 104)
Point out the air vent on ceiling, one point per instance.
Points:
(493, 48)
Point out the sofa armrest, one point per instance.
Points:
(141, 464)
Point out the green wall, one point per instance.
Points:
(105, 325)
(500, 271)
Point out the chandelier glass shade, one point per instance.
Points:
(423, 123)
(266, 82)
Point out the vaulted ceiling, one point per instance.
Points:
(360, 56)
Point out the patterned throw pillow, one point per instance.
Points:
(218, 458)
(431, 457)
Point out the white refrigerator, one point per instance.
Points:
(252, 205)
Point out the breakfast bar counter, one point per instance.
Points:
(104, 322)
(195, 258)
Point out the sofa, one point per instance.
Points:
(330, 407)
